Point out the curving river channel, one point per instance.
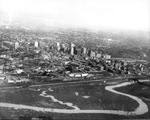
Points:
(141, 109)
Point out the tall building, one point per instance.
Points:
(58, 46)
(16, 45)
(36, 44)
(1, 69)
(83, 50)
(72, 49)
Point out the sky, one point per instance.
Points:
(91, 14)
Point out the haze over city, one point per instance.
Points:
(74, 59)
(95, 15)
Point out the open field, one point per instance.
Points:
(74, 101)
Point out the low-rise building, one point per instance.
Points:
(2, 78)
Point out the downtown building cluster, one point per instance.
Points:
(46, 58)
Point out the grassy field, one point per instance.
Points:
(98, 97)
(141, 90)
(86, 96)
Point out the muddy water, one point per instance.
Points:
(142, 108)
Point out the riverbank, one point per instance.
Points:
(105, 80)
(141, 109)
